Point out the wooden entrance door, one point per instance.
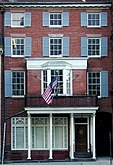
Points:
(81, 138)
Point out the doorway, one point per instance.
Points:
(81, 137)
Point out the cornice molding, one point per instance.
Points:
(58, 5)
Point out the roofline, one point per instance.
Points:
(56, 5)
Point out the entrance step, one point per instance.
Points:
(82, 155)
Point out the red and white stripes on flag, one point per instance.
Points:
(47, 95)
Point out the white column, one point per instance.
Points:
(94, 156)
(29, 136)
(0, 102)
(91, 132)
(50, 149)
(88, 136)
(72, 137)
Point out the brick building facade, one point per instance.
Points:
(70, 41)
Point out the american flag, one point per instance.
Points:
(47, 95)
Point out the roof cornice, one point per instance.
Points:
(58, 5)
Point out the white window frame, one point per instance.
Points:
(65, 128)
(99, 96)
(12, 25)
(14, 126)
(61, 47)
(44, 123)
(99, 46)
(54, 20)
(12, 84)
(12, 43)
(65, 91)
(94, 25)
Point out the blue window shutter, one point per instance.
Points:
(104, 83)
(7, 44)
(45, 18)
(65, 46)
(65, 18)
(8, 83)
(104, 46)
(84, 49)
(27, 19)
(83, 19)
(28, 46)
(7, 20)
(103, 18)
(45, 46)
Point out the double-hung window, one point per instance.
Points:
(18, 46)
(18, 83)
(94, 83)
(93, 19)
(94, 46)
(98, 83)
(55, 19)
(17, 19)
(63, 86)
(55, 46)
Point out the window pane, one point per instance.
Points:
(19, 137)
(58, 137)
(39, 138)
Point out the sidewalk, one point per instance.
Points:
(98, 161)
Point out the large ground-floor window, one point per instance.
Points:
(40, 133)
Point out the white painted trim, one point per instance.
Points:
(51, 63)
(58, 5)
(59, 110)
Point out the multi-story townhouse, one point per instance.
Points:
(69, 40)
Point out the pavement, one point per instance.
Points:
(98, 161)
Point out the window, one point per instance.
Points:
(94, 83)
(40, 131)
(63, 86)
(98, 83)
(19, 133)
(18, 46)
(55, 19)
(55, 46)
(93, 46)
(18, 83)
(93, 19)
(60, 133)
(17, 19)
